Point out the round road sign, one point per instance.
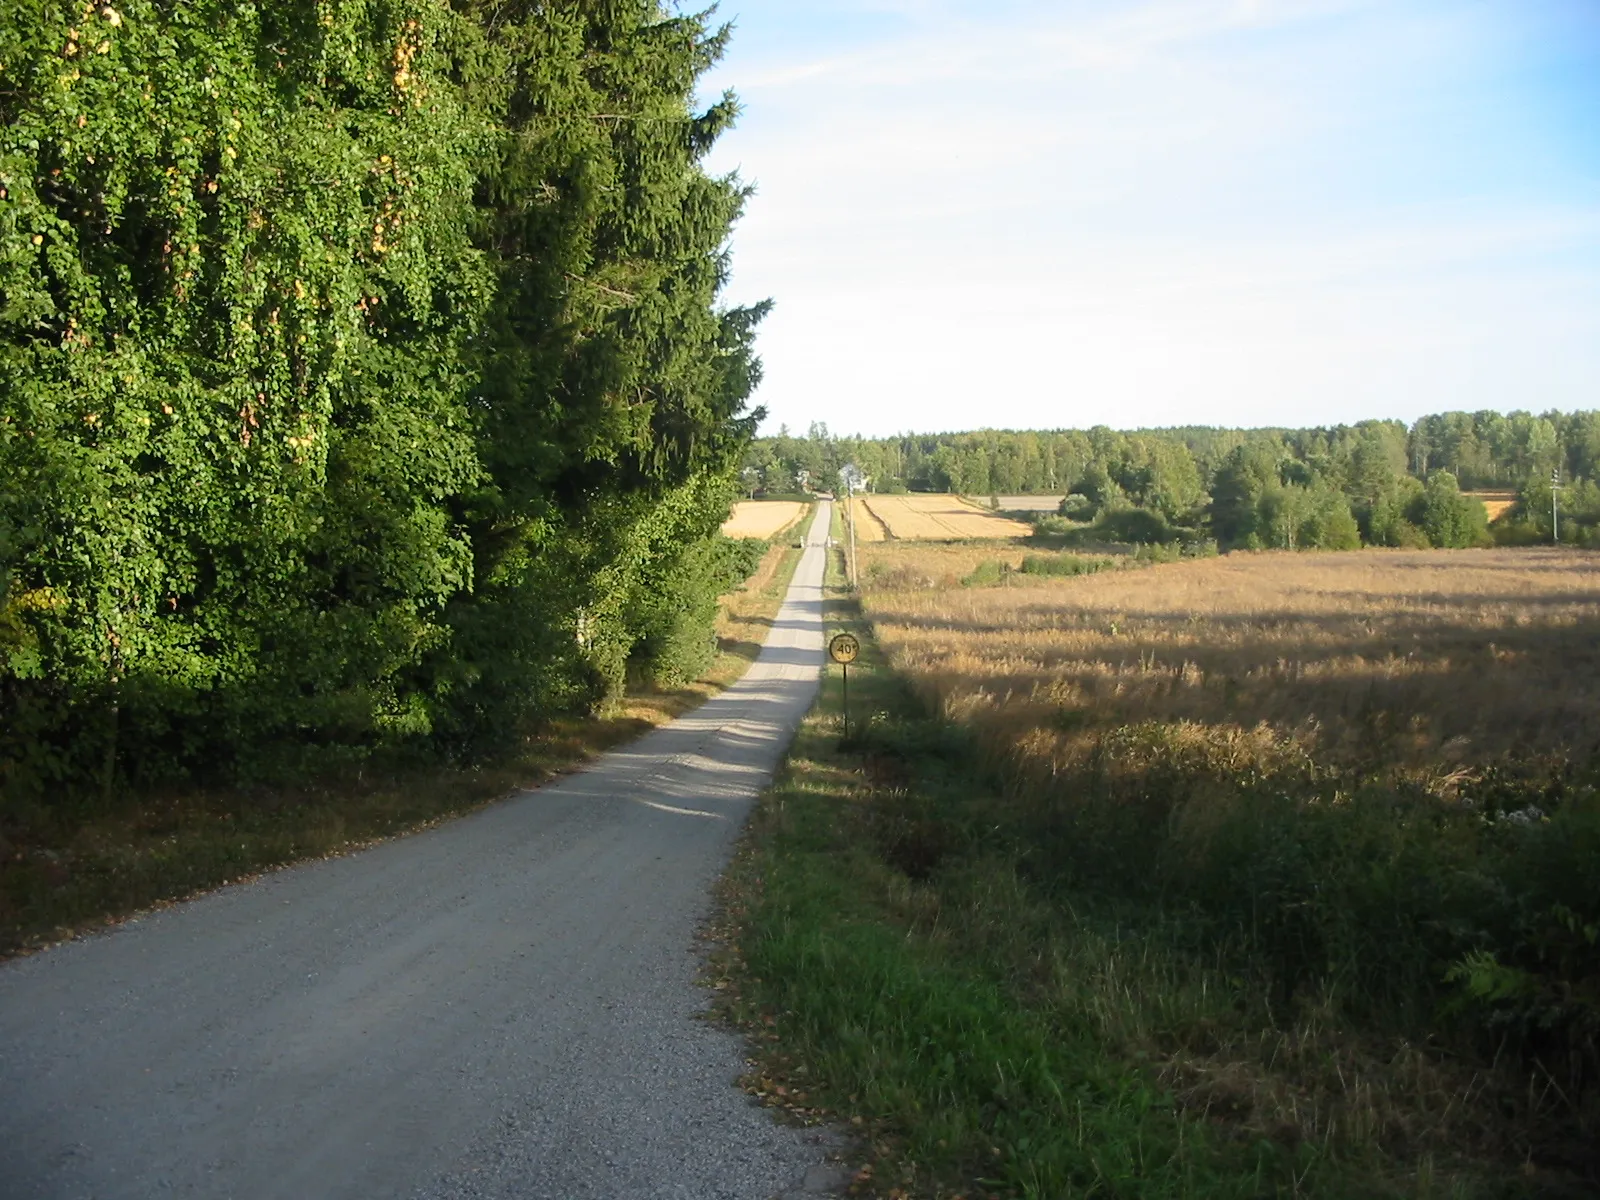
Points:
(844, 648)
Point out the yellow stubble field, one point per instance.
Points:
(939, 518)
(868, 527)
(761, 518)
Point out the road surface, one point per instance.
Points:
(501, 1007)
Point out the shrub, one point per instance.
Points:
(1076, 507)
(1403, 534)
(1132, 525)
(986, 574)
(1064, 564)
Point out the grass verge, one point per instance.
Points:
(69, 871)
(899, 968)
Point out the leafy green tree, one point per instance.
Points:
(1161, 475)
(358, 365)
(1581, 436)
(1102, 492)
(1244, 476)
(1294, 516)
(1332, 526)
(1385, 521)
(1377, 486)
(1449, 519)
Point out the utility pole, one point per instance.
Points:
(1555, 517)
(850, 514)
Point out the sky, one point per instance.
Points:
(1021, 214)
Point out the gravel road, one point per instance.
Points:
(501, 1007)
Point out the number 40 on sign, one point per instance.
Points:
(843, 649)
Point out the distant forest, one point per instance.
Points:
(1373, 483)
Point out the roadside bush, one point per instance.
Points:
(735, 560)
(1064, 564)
(674, 608)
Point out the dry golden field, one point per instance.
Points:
(761, 518)
(940, 518)
(868, 527)
(900, 565)
(1030, 503)
(1370, 774)
(1421, 661)
(1495, 504)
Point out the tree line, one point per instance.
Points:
(363, 380)
(1372, 483)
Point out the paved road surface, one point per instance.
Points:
(501, 1007)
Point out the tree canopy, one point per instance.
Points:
(361, 373)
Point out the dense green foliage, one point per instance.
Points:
(1374, 483)
(361, 375)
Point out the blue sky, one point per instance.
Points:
(1230, 212)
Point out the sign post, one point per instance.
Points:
(844, 649)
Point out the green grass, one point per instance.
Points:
(886, 940)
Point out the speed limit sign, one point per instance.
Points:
(843, 648)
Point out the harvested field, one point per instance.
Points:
(1460, 655)
(940, 518)
(1030, 503)
(868, 527)
(1496, 504)
(910, 565)
(762, 518)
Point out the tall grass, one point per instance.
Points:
(911, 965)
(1364, 782)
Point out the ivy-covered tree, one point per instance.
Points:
(358, 360)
